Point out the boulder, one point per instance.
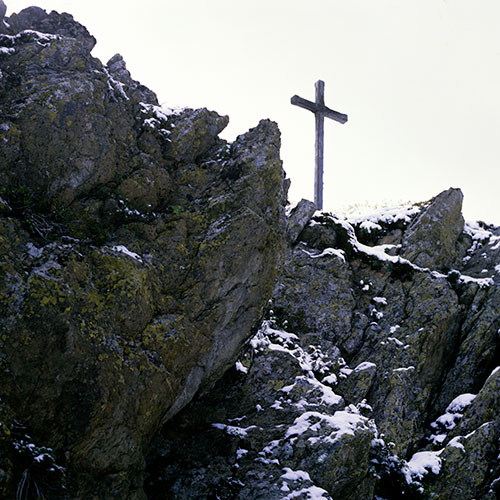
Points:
(431, 239)
(140, 253)
(134, 89)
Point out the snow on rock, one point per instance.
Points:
(123, 249)
(389, 215)
(336, 425)
(479, 233)
(449, 419)
(340, 254)
(460, 402)
(365, 365)
(235, 430)
(241, 367)
(421, 463)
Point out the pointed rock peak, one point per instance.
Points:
(431, 239)
(35, 18)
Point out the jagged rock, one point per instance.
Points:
(482, 409)
(394, 340)
(135, 90)
(35, 18)
(312, 297)
(356, 385)
(431, 239)
(194, 132)
(466, 465)
(3, 10)
(141, 251)
(299, 218)
(280, 431)
(477, 351)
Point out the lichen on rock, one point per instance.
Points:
(391, 343)
(139, 251)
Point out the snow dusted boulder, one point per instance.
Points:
(139, 251)
(431, 239)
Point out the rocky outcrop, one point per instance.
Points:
(138, 254)
(138, 251)
(375, 375)
(431, 239)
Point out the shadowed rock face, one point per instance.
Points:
(375, 376)
(138, 251)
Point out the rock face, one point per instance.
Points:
(375, 375)
(138, 251)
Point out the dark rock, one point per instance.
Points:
(136, 267)
(139, 252)
(67, 129)
(193, 133)
(37, 19)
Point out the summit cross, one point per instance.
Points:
(320, 111)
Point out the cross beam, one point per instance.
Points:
(320, 112)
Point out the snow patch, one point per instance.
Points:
(336, 252)
(421, 463)
(241, 367)
(123, 249)
(234, 430)
(295, 475)
(341, 422)
(33, 251)
(364, 366)
(460, 402)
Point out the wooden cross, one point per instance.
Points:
(320, 111)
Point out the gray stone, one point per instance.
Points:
(431, 239)
(299, 218)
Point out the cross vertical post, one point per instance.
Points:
(320, 111)
(320, 134)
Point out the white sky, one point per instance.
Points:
(419, 79)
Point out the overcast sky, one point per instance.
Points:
(419, 79)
